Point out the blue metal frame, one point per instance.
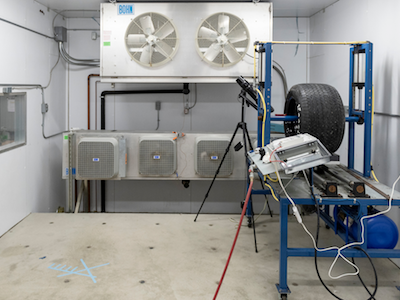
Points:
(366, 114)
(353, 117)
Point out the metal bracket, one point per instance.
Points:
(282, 290)
(45, 108)
(7, 90)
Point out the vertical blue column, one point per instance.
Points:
(249, 208)
(350, 153)
(368, 109)
(259, 120)
(267, 91)
(283, 220)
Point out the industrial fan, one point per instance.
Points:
(151, 39)
(222, 39)
(209, 153)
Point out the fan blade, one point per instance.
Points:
(212, 52)
(136, 39)
(237, 36)
(165, 31)
(164, 48)
(231, 53)
(223, 24)
(209, 34)
(147, 25)
(147, 52)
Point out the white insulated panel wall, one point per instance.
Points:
(29, 175)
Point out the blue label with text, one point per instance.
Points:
(156, 157)
(66, 171)
(124, 9)
(96, 159)
(214, 157)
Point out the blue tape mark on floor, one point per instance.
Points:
(79, 272)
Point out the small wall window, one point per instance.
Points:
(12, 120)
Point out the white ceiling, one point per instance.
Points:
(282, 8)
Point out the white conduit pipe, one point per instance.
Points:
(80, 196)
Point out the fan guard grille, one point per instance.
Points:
(158, 57)
(204, 42)
(157, 157)
(209, 154)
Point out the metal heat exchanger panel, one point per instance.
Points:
(157, 156)
(208, 156)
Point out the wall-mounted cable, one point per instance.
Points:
(44, 105)
(51, 71)
(23, 27)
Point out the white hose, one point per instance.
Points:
(80, 196)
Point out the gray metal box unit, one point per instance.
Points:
(208, 155)
(100, 158)
(60, 34)
(157, 156)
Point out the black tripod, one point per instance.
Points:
(246, 139)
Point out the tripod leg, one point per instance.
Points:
(248, 136)
(219, 167)
(254, 228)
(250, 211)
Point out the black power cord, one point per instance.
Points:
(376, 276)
(372, 296)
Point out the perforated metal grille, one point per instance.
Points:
(157, 157)
(157, 57)
(209, 156)
(96, 160)
(205, 42)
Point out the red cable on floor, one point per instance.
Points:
(237, 234)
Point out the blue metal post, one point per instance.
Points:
(283, 254)
(350, 156)
(267, 91)
(249, 208)
(368, 109)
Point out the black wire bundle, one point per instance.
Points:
(372, 295)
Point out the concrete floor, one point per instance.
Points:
(168, 256)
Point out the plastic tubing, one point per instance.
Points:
(236, 236)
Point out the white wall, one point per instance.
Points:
(30, 176)
(217, 110)
(357, 20)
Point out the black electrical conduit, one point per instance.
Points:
(185, 91)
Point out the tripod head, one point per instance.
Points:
(246, 100)
(247, 88)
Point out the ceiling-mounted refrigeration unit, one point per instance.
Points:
(209, 152)
(181, 42)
